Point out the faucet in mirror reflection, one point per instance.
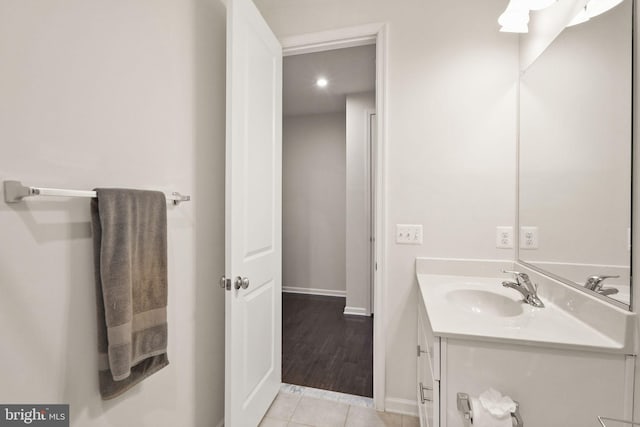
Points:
(594, 283)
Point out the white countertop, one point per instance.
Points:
(524, 324)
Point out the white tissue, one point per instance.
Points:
(497, 404)
(483, 418)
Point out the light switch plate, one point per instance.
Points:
(408, 234)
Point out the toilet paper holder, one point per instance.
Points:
(464, 406)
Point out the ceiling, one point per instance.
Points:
(348, 70)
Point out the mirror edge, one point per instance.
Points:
(635, 179)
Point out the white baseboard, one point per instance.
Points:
(401, 406)
(356, 311)
(314, 291)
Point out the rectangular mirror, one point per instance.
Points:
(574, 204)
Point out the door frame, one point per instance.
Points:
(370, 198)
(350, 37)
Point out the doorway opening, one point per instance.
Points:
(329, 176)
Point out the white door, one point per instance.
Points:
(253, 235)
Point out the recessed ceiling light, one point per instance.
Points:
(322, 82)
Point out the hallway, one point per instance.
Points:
(323, 348)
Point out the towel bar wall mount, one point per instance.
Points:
(464, 406)
(14, 192)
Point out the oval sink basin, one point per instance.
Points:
(484, 302)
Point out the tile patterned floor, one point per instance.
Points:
(298, 406)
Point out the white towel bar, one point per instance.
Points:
(14, 192)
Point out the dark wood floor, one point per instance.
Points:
(323, 348)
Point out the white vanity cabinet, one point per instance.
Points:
(554, 386)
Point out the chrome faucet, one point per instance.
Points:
(523, 285)
(594, 283)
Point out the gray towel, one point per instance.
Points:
(130, 256)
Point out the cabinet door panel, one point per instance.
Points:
(554, 387)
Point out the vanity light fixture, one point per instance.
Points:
(515, 18)
(592, 9)
(538, 4)
(322, 82)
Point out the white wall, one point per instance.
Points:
(358, 231)
(111, 93)
(451, 138)
(313, 195)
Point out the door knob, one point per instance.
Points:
(241, 282)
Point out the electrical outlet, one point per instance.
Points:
(504, 237)
(528, 237)
(409, 234)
